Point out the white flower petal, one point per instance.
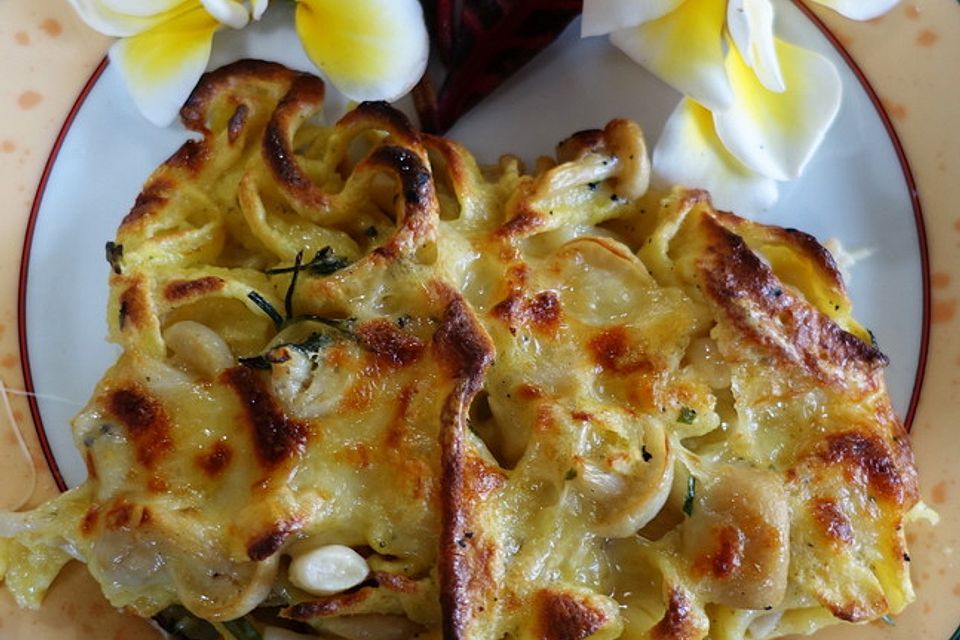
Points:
(684, 49)
(121, 19)
(859, 9)
(750, 24)
(776, 134)
(257, 7)
(689, 153)
(229, 12)
(603, 16)
(368, 49)
(161, 66)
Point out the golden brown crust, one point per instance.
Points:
(145, 420)
(216, 459)
(800, 241)
(561, 616)
(867, 460)
(389, 343)
(304, 98)
(679, 621)
(178, 290)
(230, 83)
(152, 198)
(466, 558)
(772, 317)
(833, 522)
(134, 307)
(276, 437)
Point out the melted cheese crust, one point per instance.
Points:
(546, 405)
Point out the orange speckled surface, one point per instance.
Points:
(910, 57)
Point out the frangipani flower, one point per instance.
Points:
(690, 153)
(369, 49)
(164, 45)
(757, 107)
(765, 136)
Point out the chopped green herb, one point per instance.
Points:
(873, 339)
(266, 307)
(571, 474)
(241, 629)
(687, 415)
(888, 620)
(314, 342)
(288, 299)
(324, 263)
(183, 625)
(691, 492)
(256, 362)
(114, 255)
(277, 355)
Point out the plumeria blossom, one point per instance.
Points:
(756, 107)
(164, 45)
(368, 49)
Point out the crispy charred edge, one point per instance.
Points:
(224, 82)
(154, 196)
(801, 242)
(623, 141)
(466, 351)
(731, 273)
(580, 144)
(342, 603)
(276, 437)
(381, 116)
(455, 159)
(561, 616)
(420, 207)
(304, 98)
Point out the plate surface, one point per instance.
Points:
(857, 189)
